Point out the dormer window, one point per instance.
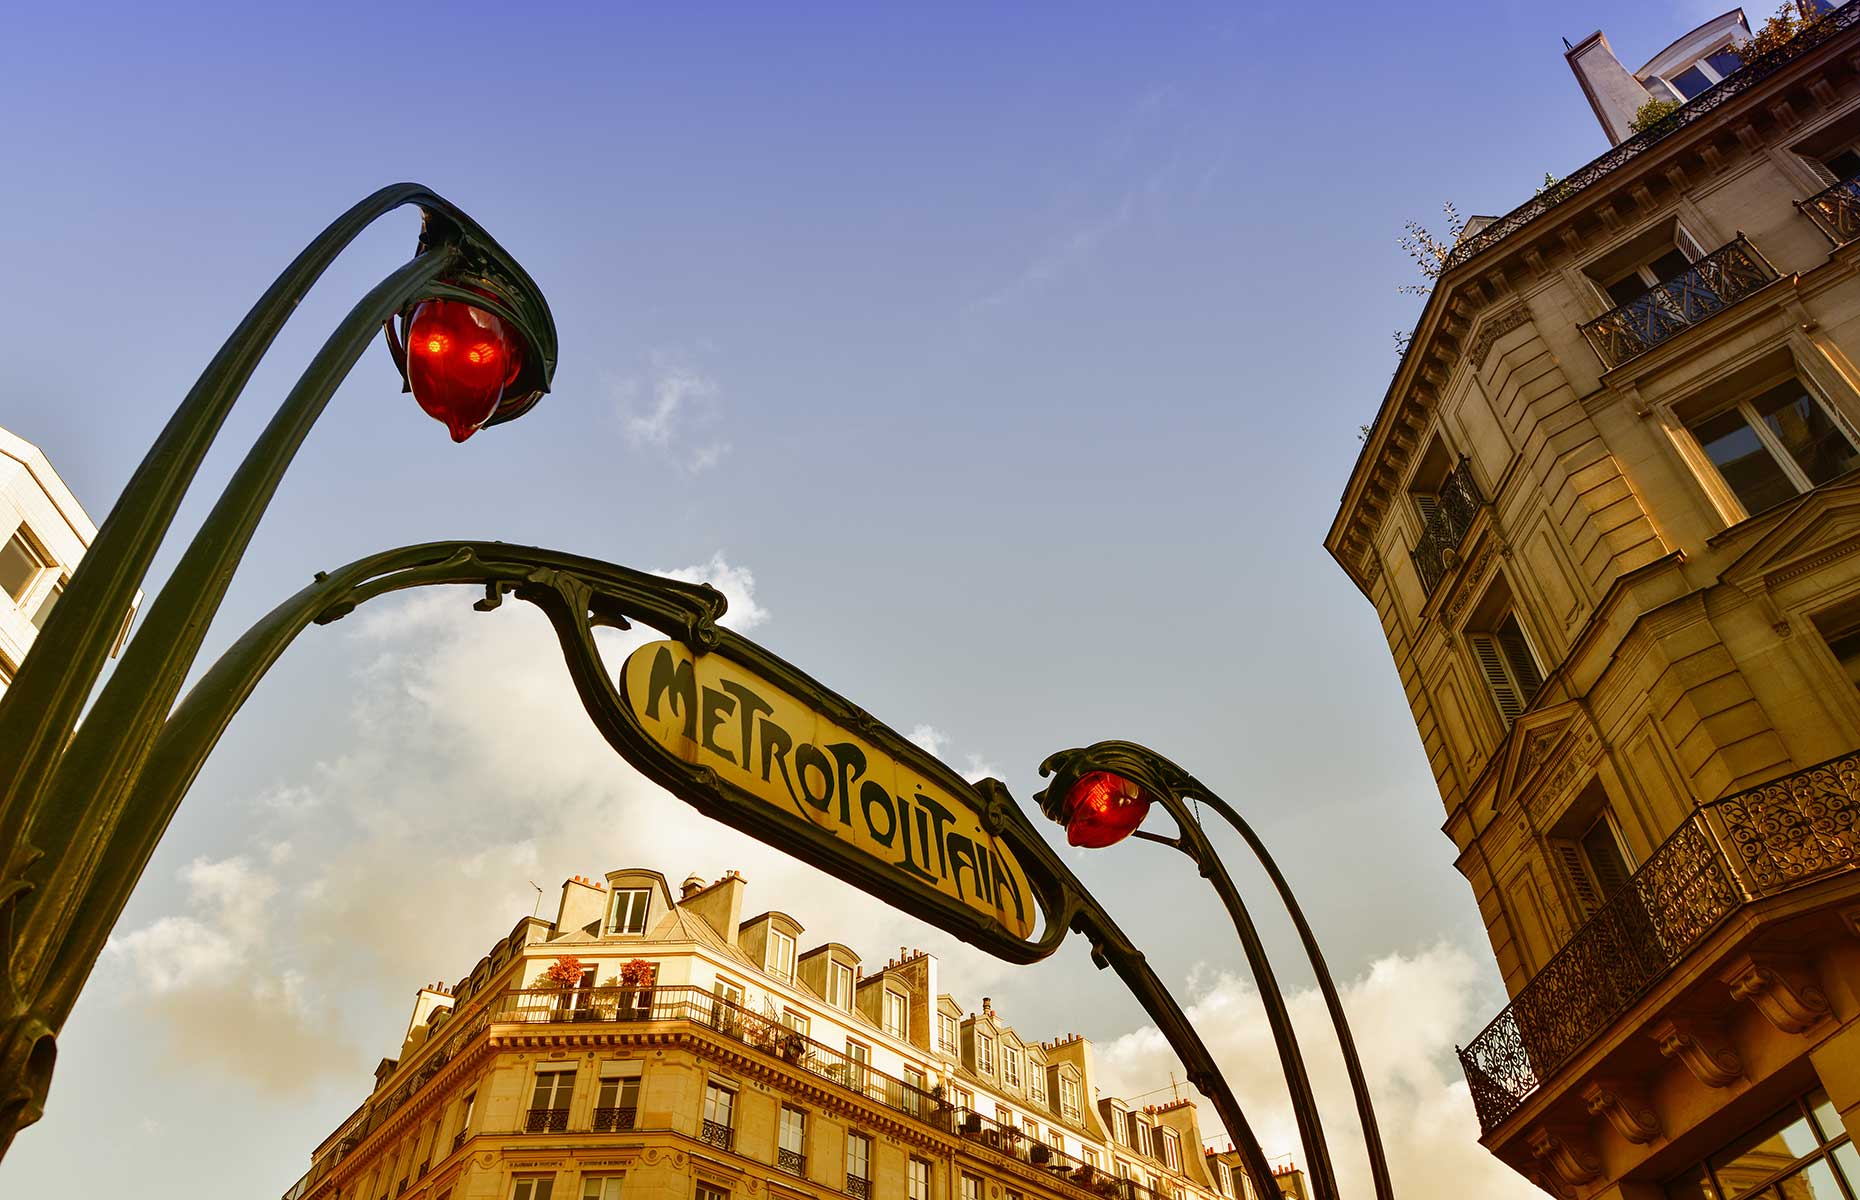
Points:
(984, 1054)
(1068, 1097)
(1170, 1147)
(780, 961)
(626, 912)
(946, 1033)
(20, 564)
(897, 1016)
(839, 985)
(1011, 1060)
(1684, 84)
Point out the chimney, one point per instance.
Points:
(584, 904)
(720, 905)
(693, 884)
(988, 1006)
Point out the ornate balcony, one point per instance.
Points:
(458, 1139)
(1441, 537)
(1727, 854)
(858, 1189)
(1836, 210)
(791, 1161)
(716, 1134)
(1711, 284)
(546, 1120)
(611, 1120)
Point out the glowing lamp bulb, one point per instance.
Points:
(460, 359)
(1103, 809)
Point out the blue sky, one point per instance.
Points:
(1016, 354)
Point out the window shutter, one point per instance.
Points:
(1519, 658)
(1606, 861)
(1575, 870)
(1486, 653)
(1427, 504)
(1687, 245)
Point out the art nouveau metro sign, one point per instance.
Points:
(860, 788)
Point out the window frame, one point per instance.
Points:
(917, 1178)
(613, 911)
(606, 1177)
(773, 955)
(1013, 1061)
(1766, 437)
(1800, 1106)
(984, 1053)
(541, 1187)
(887, 1002)
(1495, 667)
(842, 982)
(856, 1138)
(948, 1037)
(36, 554)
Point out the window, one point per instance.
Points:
(1840, 629)
(627, 910)
(709, 1191)
(1771, 446)
(946, 1033)
(1504, 659)
(858, 1156)
(897, 1016)
(465, 1107)
(1032, 1127)
(601, 1187)
(1139, 1135)
(616, 1104)
(839, 985)
(971, 1186)
(1593, 863)
(45, 605)
(917, 1180)
(780, 955)
(555, 1085)
(20, 564)
(719, 1105)
(915, 1089)
(1170, 1148)
(1802, 1151)
(1036, 1081)
(1010, 1066)
(1069, 1097)
(1004, 1116)
(858, 1058)
(791, 1152)
(1684, 84)
(1628, 275)
(1223, 1178)
(533, 1187)
(984, 1054)
(1091, 1157)
(961, 1097)
(796, 1021)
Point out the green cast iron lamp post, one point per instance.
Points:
(1101, 794)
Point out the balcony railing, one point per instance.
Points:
(791, 1161)
(1711, 284)
(858, 1189)
(765, 1033)
(458, 1139)
(1727, 854)
(546, 1120)
(611, 1120)
(1836, 210)
(1446, 529)
(715, 1133)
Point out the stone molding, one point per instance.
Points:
(1782, 993)
(1626, 1106)
(1566, 1153)
(1701, 1045)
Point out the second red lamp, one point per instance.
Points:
(1103, 808)
(460, 360)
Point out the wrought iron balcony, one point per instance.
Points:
(791, 1161)
(858, 1189)
(458, 1139)
(716, 1134)
(1715, 282)
(1446, 529)
(610, 1120)
(1836, 210)
(546, 1120)
(1727, 854)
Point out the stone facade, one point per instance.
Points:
(696, 1055)
(1621, 591)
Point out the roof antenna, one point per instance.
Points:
(538, 906)
(1566, 46)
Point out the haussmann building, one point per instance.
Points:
(646, 1046)
(1608, 515)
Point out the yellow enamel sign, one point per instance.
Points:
(715, 713)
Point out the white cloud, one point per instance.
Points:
(738, 585)
(664, 410)
(1404, 1013)
(929, 738)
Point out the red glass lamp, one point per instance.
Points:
(461, 359)
(1103, 808)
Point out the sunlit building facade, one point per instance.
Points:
(1609, 519)
(45, 532)
(659, 1047)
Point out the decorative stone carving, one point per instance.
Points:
(1702, 1047)
(1495, 327)
(1567, 1154)
(1782, 994)
(1626, 1107)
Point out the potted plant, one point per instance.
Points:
(636, 979)
(790, 1046)
(562, 975)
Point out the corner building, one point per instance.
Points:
(641, 1047)
(1609, 519)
